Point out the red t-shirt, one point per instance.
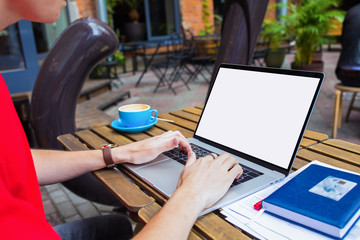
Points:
(21, 211)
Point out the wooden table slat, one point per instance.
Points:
(311, 156)
(136, 136)
(154, 131)
(112, 136)
(186, 115)
(305, 142)
(214, 227)
(148, 212)
(169, 126)
(71, 143)
(298, 163)
(129, 194)
(315, 135)
(345, 156)
(91, 139)
(193, 110)
(351, 147)
(179, 121)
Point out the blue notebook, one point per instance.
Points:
(319, 197)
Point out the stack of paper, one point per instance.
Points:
(266, 226)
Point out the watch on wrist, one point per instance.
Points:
(106, 149)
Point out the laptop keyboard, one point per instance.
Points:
(181, 157)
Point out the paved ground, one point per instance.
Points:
(63, 206)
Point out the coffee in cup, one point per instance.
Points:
(135, 115)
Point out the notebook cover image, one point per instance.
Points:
(326, 195)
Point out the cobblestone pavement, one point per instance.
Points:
(63, 206)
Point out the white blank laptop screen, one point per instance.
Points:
(258, 113)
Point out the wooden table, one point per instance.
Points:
(143, 206)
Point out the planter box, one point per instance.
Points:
(275, 58)
(316, 66)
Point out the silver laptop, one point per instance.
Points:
(259, 115)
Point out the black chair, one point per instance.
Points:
(108, 69)
(203, 55)
(69, 62)
(348, 65)
(169, 70)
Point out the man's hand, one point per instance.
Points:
(147, 150)
(207, 179)
(201, 184)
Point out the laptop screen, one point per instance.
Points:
(259, 112)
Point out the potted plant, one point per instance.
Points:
(134, 30)
(274, 34)
(309, 22)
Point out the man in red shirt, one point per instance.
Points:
(202, 182)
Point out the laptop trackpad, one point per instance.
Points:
(163, 175)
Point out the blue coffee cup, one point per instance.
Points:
(136, 115)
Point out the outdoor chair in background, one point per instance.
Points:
(353, 72)
(186, 51)
(348, 65)
(204, 53)
(77, 50)
(168, 71)
(260, 50)
(108, 69)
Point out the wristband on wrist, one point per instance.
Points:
(106, 149)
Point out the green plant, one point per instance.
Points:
(273, 32)
(119, 56)
(308, 22)
(205, 17)
(101, 71)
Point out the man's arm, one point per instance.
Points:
(58, 166)
(202, 183)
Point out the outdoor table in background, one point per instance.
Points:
(208, 45)
(140, 48)
(144, 202)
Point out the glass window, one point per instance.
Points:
(46, 33)
(18, 60)
(162, 17)
(11, 52)
(218, 15)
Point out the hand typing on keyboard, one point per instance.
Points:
(148, 149)
(207, 179)
(204, 180)
(181, 157)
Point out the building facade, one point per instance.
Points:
(24, 44)
(194, 14)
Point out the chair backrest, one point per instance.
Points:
(175, 44)
(188, 42)
(349, 60)
(75, 53)
(240, 28)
